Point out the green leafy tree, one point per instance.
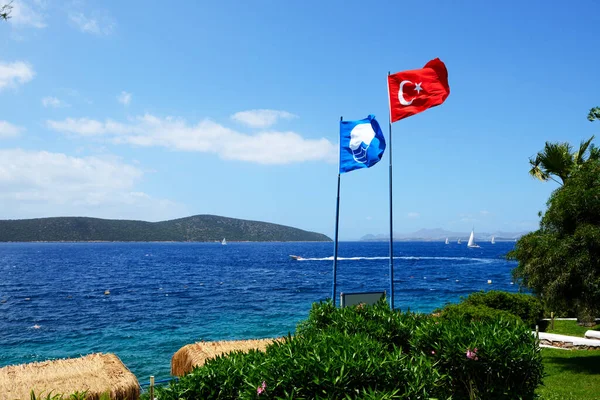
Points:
(594, 114)
(560, 261)
(558, 160)
(5, 11)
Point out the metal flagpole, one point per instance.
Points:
(391, 211)
(335, 243)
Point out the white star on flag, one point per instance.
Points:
(418, 87)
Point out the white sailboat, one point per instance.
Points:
(447, 242)
(458, 242)
(224, 242)
(493, 241)
(472, 243)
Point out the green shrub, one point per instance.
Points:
(482, 359)
(328, 365)
(74, 396)
(525, 306)
(378, 322)
(220, 378)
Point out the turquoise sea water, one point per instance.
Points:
(166, 295)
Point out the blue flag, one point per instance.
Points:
(361, 144)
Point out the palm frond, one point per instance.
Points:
(535, 171)
(556, 159)
(594, 153)
(579, 157)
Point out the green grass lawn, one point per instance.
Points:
(569, 328)
(570, 375)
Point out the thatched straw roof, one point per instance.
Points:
(194, 355)
(95, 373)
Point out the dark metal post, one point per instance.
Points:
(335, 243)
(391, 214)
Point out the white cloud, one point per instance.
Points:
(53, 102)
(96, 26)
(44, 170)
(8, 130)
(124, 98)
(206, 137)
(40, 183)
(90, 127)
(484, 212)
(23, 14)
(261, 118)
(14, 73)
(413, 215)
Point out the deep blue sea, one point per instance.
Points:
(166, 295)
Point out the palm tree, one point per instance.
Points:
(594, 114)
(558, 160)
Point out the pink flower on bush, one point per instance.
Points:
(261, 389)
(432, 351)
(472, 355)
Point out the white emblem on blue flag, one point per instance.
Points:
(361, 144)
(360, 140)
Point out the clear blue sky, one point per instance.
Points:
(148, 109)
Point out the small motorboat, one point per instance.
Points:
(295, 257)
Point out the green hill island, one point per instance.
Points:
(197, 228)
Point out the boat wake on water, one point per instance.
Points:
(330, 258)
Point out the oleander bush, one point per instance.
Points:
(373, 352)
(73, 396)
(378, 322)
(331, 365)
(482, 359)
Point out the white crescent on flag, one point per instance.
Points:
(401, 95)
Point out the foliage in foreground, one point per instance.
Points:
(482, 359)
(74, 396)
(331, 365)
(391, 328)
(374, 352)
(560, 262)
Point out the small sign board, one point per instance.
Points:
(353, 299)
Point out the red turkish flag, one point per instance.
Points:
(412, 92)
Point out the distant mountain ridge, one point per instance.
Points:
(441, 234)
(197, 228)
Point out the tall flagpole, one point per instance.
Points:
(391, 211)
(337, 222)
